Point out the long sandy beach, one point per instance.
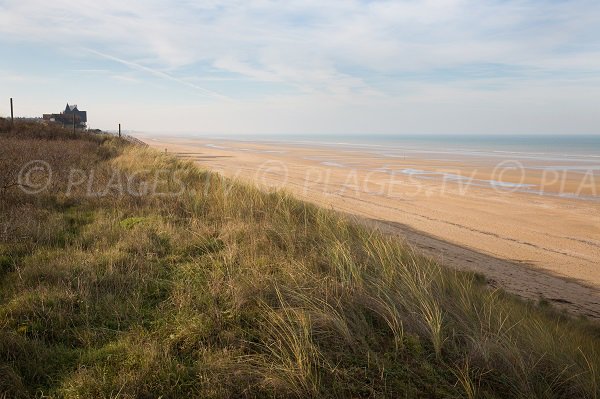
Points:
(531, 230)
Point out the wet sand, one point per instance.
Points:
(523, 229)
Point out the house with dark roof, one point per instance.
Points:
(68, 116)
(80, 116)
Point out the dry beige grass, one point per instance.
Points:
(227, 291)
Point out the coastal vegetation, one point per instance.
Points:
(134, 274)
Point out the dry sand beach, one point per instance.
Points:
(534, 231)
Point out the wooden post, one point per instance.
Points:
(12, 116)
(119, 130)
(73, 122)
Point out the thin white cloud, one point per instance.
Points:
(92, 71)
(157, 73)
(126, 78)
(308, 36)
(383, 55)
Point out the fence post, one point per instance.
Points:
(12, 116)
(119, 130)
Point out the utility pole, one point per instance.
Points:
(12, 116)
(119, 130)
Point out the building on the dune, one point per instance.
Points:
(68, 116)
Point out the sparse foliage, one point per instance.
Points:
(227, 291)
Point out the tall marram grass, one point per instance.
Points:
(228, 291)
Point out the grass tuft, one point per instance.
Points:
(226, 291)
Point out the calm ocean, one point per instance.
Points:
(573, 151)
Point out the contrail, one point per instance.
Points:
(157, 73)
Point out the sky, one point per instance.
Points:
(311, 67)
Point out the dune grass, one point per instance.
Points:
(217, 289)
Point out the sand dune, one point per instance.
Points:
(525, 232)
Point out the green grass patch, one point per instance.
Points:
(130, 222)
(226, 291)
